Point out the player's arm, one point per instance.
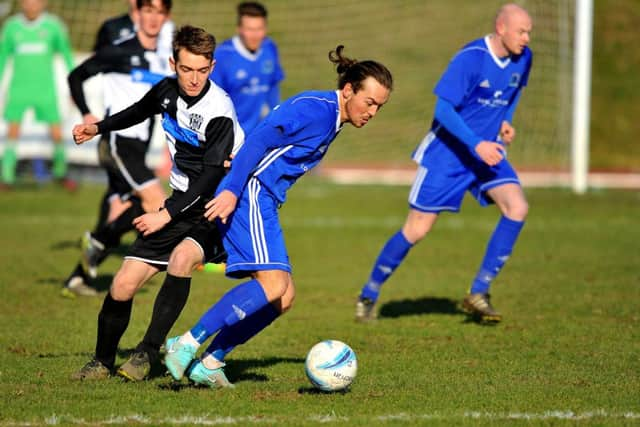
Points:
(136, 113)
(273, 97)
(490, 152)
(6, 48)
(244, 163)
(220, 136)
(76, 78)
(63, 46)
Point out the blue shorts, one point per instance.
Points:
(442, 180)
(252, 236)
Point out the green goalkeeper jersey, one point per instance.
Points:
(33, 44)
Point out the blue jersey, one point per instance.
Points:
(291, 140)
(482, 88)
(251, 79)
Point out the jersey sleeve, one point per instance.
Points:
(137, 112)
(6, 46)
(63, 46)
(220, 137)
(458, 79)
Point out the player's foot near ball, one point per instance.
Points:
(479, 308)
(93, 370)
(366, 310)
(178, 357)
(137, 368)
(214, 378)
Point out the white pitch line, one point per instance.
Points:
(330, 418)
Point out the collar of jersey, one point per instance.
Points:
(499, 63)
(243, 51)
(192, 100)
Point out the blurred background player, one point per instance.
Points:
(32, 38)
(290, 141)
(130, 66)
(249, 67)
(202, 131)
(465, 150)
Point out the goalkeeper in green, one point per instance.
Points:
(32, 38)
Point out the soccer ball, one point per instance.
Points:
(331, 365)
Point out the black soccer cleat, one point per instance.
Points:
(137, 368)
(93, 370)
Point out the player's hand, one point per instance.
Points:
(151, 222)
(507, 132)
(83, 133)
(221, 206)
(490, 152)
(89, 119)
(227, 163)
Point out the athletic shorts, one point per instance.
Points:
(252, 236)
(124, 161)
(442, 180)
(156, 248)
(45, 107)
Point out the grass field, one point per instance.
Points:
(566, 354)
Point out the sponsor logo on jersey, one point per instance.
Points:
(241, 74)
(497, 94)
(195, 121)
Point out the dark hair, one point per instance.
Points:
(165, 3)
(355, 72)
(195, 40)
(251, 8)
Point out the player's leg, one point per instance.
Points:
(10, 155)
(433, 191)
(505, 191)
(208, 371)
(114, 317)
(152, 195)
(167, 307)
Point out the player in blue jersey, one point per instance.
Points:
(249, 67)
(465, 150)
(202, 131)
(290, 141)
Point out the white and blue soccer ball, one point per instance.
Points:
(331, 365)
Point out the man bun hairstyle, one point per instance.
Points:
(195, 40)
(355, 72)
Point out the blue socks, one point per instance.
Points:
(498, 251)
(234, 306)
(231, 336)
(392, 254)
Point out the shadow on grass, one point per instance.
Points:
(315, 391)
(237, 371)
(425, 305)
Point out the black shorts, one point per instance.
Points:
(156, 248)
(124, 161)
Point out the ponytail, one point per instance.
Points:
(355, 72)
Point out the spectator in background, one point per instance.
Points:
(32, 38)
(249, 67)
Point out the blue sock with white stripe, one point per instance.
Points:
(231, 336)
(392, 254)
(234, 306)
(498, 251)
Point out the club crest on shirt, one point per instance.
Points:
(195, 121)
(515, 80)
(267, 67)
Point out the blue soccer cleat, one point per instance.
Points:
(178, 357)
(214, 378)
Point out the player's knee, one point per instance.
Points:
(274, 283)
(183, 260)
(517, 211)
(286, 301)
(123, 288)
(415, 231)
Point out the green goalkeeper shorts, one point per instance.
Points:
(45, 106)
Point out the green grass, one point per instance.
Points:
(570, 340)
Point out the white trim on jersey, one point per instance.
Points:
(338, 124)
(499, 63)
(498, 181)
(256, 225)
(243, 51)
(147, 260)
(270, 158)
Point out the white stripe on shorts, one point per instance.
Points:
(421, 174)
(256, 224)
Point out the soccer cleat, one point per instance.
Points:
(366, 310)
(76, 286)
(214, 378)
(479, 307)
(137, 368)
(178, 357)
(93, 370)
(92, 252)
